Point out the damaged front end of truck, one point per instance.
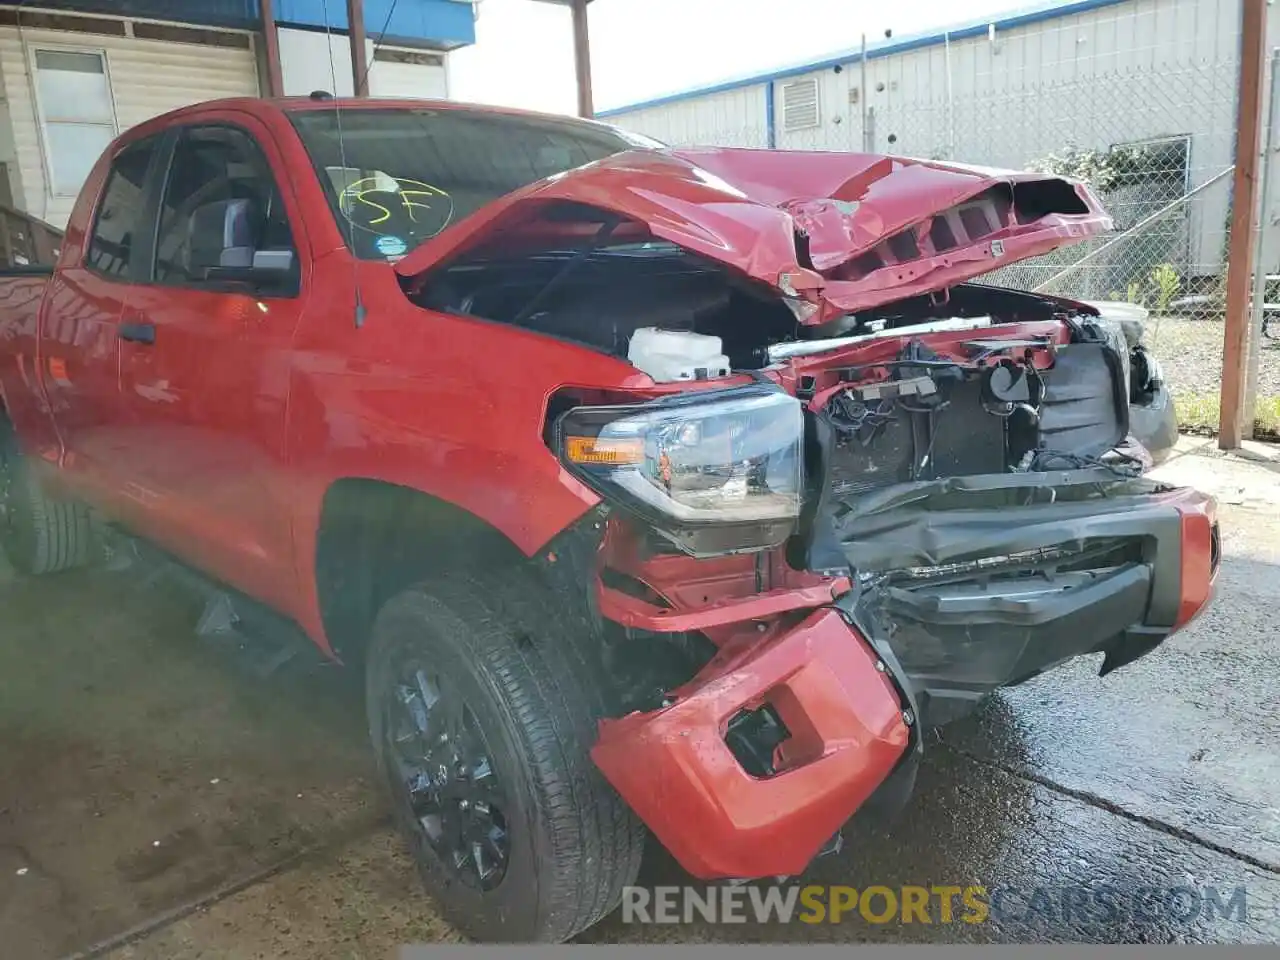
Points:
(957, 534)
(868, 493)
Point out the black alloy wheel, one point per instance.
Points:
(443, 774)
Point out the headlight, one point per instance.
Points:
(715, 472)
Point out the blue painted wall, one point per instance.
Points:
(437, 23)
(444, 23)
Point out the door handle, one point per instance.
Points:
(138, 332)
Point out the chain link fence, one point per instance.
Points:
(1137, 98)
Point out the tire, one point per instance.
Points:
(40, 534)
(526, 690)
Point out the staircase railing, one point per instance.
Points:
(27, 241)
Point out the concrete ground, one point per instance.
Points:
(157, 805)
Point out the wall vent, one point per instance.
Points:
(800, 105)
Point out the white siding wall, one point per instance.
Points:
(148, 77)
(909, 90)
(8, 147)
(1088, 57)
(305, 68)
(734, 118)
(420, 81)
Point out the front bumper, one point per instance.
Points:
(675, 769)
(854, 680)
(983, 582)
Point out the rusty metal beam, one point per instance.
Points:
(582, 58)
(271, 48)
(359, 59)
(1244, 223)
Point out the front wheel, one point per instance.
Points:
(483, 702)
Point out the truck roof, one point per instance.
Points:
(278, 105)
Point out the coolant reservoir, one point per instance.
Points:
(668, 355)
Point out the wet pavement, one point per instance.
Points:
(138, 770)
(157, 805)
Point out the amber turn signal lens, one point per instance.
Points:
(591, 450)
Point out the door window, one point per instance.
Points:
(117, 228)
(222, 208)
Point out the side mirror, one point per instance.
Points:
(221, 234)
(221, 241)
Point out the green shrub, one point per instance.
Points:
(1166, 281)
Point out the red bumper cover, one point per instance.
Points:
(676, 771)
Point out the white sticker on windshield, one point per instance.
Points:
(997, 248)
(390, 246)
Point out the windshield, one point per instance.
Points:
(401, 175)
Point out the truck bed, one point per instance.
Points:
(21, 290)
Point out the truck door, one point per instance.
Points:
(205, 384)
(78, 347)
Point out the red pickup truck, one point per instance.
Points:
(650, 488)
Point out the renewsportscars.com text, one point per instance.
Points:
(938, 904)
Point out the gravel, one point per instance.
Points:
(1190, 352)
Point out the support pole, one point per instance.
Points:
(770, 116)
(582, 58)
(359, 60)
(271, 48)
(864, 96)
(1261, 258)
(951, 102)
(1244, 221)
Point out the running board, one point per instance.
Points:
(257, 639)
(261, 647)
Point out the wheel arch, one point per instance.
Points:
(376, 537)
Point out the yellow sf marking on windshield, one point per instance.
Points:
(427, 190)
(359, 190)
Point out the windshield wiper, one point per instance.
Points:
(601, 237)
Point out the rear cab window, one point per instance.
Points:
(397, 176)
(116, 235)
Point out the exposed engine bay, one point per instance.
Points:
(678, 315)
(1019, 406)
(903, 412)
(601, 295)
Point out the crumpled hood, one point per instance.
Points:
(840, 231)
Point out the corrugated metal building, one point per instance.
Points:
(1087, 75)
(74, 77)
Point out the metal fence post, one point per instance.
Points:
(951, 105)
(864, 96)
(1244, 221)
(1258, 312)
